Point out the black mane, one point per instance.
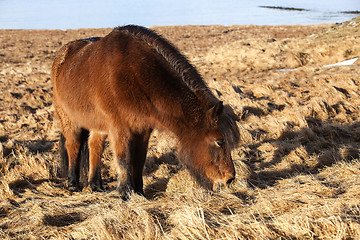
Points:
(172, 55)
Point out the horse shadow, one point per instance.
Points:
(33, 146)
(39, 146)
(321, 144)
(159, 186)
(19, 186)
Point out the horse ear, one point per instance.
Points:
(213, 114)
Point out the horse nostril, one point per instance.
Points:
(230, 181)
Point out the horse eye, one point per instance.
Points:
(220, 143)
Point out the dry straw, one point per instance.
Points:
(297, 166)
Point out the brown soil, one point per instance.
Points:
(297, 165)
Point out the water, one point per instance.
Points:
(69, 14)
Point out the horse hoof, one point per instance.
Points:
(74, 188)
(96, 187)
(125, 192)
(140, 192)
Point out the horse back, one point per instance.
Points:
(115, 78)
(65, 52)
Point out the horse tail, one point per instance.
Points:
(64, 159)
(83, 157)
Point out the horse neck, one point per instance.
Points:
(189, 124)
(186, 133)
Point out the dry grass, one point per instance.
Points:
(298, 164)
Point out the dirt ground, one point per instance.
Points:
(297, 164)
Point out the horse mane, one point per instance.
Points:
(172, 55)
(189, 74)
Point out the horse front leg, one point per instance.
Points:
(119, 140)
(138, 146)
(96, 147)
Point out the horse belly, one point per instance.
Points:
(86, 117)
(79, 108)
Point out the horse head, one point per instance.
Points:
(207, 152)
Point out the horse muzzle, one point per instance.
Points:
(222, 183)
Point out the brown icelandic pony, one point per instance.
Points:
(124, 85)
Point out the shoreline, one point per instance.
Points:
(165, 26)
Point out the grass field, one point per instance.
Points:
(297, 165)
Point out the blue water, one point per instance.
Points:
(69, 14)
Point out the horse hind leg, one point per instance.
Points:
(73, 138)
(86, 169)
(64, 159)
(138, 146)
(96, 145)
